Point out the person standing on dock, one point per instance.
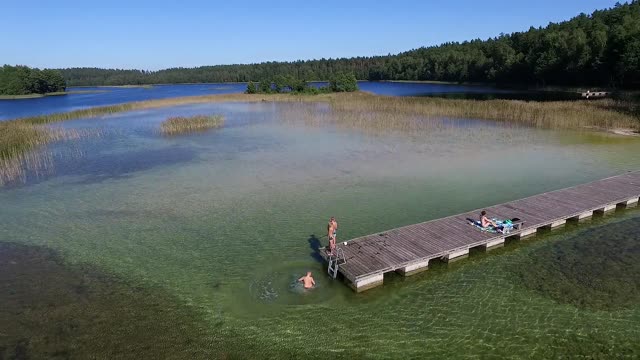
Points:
(332, 230)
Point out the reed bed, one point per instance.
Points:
(603, 114)
(19, 145)
(364, 111)
(183, 125)
(14, 170)
(16, 138)
(424, 130)
(161, 103)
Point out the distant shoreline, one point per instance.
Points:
(31, 96)
(59, 93)
(256, 81)
(519, 87)
(148, 86)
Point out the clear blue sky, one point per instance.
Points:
(159, 34)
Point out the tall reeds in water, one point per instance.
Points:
(19, 143)
(372, 113)
(182, 125)
(160, 103)
(605, 114)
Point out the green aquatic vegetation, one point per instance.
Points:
(233, 229)
(182, 125)
(54, 310)
(356, 109)
(598, 269)
(155, 104)
(19, 143)
(603, 114)
(361, 111)
(15, 138)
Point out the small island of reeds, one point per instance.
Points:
(183, 125)
(18, 140)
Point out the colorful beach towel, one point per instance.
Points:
(504, 226)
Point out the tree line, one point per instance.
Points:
(341, 82)
(600, 49)
(23, 80)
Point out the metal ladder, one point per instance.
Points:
(335, 261)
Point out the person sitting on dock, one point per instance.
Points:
(307, 281)
(485, 221)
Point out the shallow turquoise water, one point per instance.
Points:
(223, 222)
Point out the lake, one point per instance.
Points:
(125, 243)
(101, 96)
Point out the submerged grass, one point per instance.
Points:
(55, 310)
(359, 110)
(182, 125)
(160, 103)
(598, 269)
(356, 107)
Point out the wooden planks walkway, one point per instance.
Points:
(409, 249)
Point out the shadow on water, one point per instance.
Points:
(96, 169)
(316, 247)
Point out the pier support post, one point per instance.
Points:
(528, 232)
(414, 268)
(630, 203)
(607, 209)
(493, 244)
(456, 255)
(367, 282)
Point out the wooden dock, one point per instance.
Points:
(408, 249)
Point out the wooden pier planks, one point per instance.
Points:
(394, 249)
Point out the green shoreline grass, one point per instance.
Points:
(183, 125)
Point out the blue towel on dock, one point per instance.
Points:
(504, 226)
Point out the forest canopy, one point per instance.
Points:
(600, 49)
(340, 82)
(23, 80)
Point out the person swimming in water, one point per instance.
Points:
(307, 281)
